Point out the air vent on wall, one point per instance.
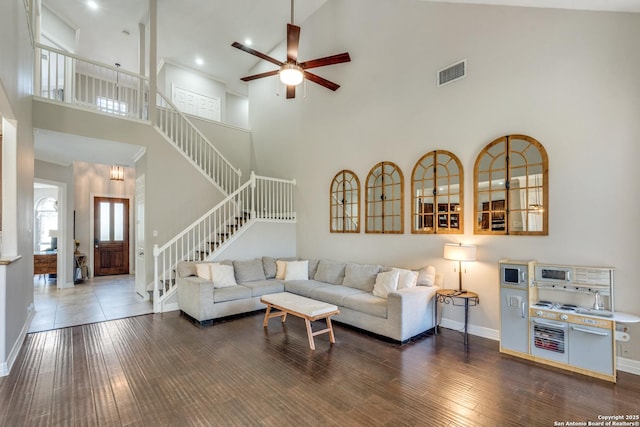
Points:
(452, 73)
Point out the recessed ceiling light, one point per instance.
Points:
(248, 42)
(92, 4)
(199, 60)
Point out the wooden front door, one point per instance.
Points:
(111, 247)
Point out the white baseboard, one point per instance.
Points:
(628, 365)
(5, 367)
(492, 334)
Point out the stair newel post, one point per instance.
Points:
(253, 195)
(156, 284)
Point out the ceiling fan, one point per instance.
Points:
(292, 72)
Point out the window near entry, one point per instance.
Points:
(345, 203)
(46, 224)
(437, 194)
(384, 199)
(511, 187)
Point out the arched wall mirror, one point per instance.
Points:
(437, 194)
(512, 187)
(345, 203)
(384, 199)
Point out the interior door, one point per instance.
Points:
(111, 235)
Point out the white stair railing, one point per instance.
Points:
(196, 147)
(66, 77)
(259, 199)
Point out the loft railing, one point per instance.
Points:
(65, 77)
(259, 199)
(195, 146)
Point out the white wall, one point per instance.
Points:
(16, 77)
(567, 78)
(92, 180)
(233, 108)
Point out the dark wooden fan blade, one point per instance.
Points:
(328, 60)
(259, 76)
(322, 82)
(291, 92)
(256, 53)
(293, 39)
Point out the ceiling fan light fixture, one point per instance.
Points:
(291, 74)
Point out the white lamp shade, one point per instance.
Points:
(291, 74)
(53, 233)
(459, 252)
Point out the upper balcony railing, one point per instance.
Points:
(65, 77)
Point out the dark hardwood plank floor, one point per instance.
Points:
(161, 370)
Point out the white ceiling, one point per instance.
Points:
(63, 149)
(205, 28)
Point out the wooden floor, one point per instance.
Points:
(161, 370)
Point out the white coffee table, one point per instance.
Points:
(305, 308)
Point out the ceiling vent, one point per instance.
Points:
(452, 73)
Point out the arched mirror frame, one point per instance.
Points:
(448, 218)
(384, 196)
(344, 186)
(504, 216)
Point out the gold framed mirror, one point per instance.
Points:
(437, 194)
(511, 187)
(344, 202)
(384, 206)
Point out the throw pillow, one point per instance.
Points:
(222, 275)
(406, 278)
(313, 268)
(427, 276)
(281, 267)
(203, 270)
(249, 271)
(330, 272)
(360, 276)
(385, 282)
(269, 265)
(297, 270)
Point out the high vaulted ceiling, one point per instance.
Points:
(206, 28)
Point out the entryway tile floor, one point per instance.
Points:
(95, 300)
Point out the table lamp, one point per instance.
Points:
(459, 252)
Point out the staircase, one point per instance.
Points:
(259, 199)
(61, 77)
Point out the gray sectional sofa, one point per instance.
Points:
(399, 314)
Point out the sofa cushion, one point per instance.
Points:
(334, 294)
(247, 271)
(360, 276)
(368, 304)
(330, 272)
(222, 275)
(263, 287)
(427, 276)
(406, 278)
(231, 293)
(386, 282)
(297, 270)
(186, 269)
(303, 287)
